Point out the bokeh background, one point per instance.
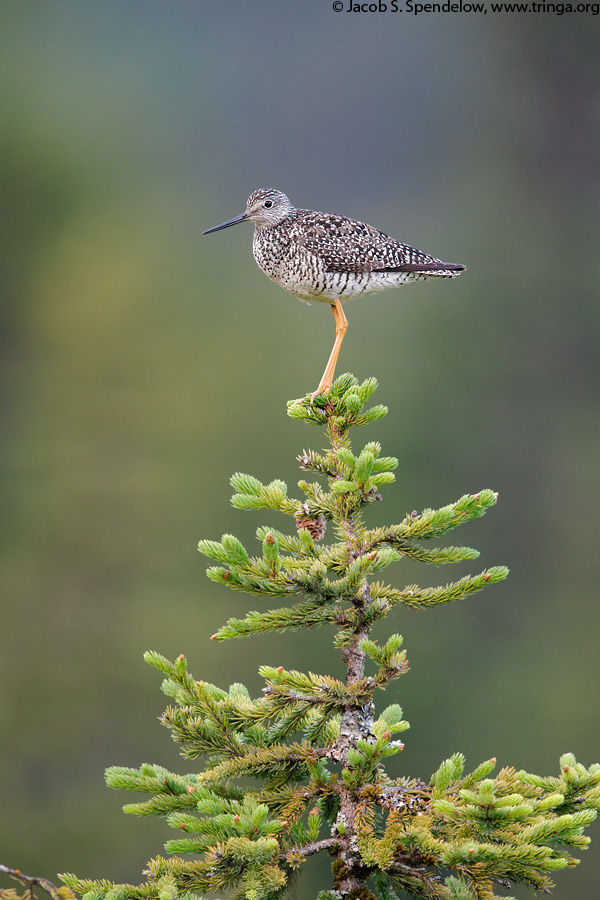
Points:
(142, 364)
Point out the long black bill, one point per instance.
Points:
(228, 223)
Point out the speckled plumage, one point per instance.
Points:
(321, 256)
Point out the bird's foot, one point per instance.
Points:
(310, 397)
(324, 387)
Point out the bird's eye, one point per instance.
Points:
(268, 204)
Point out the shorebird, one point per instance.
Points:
(329, 258)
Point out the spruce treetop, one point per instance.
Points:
(301, 769)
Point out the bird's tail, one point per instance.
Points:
(435, 267)
(449, 270)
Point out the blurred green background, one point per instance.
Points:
(142, 364)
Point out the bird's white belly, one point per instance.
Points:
(325, 287)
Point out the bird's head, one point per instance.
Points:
(268, 207)
(264, 207)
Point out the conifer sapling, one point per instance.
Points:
(301, 770)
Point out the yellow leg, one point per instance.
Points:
(341, 324)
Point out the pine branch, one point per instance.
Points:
(31, 882)
(309, 614)
(308, 850)
(417, 598)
